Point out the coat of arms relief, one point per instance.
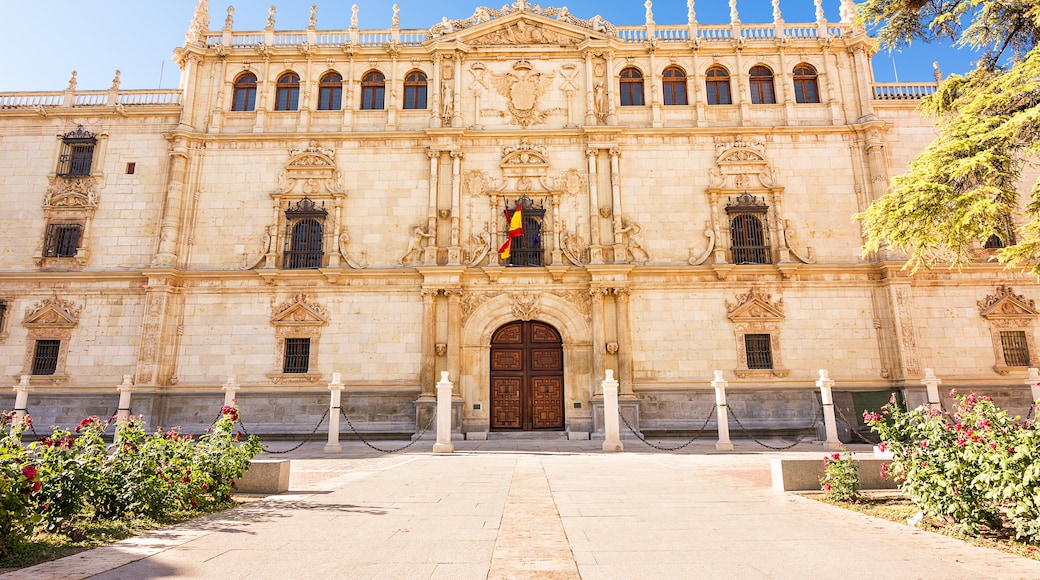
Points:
(522, 87)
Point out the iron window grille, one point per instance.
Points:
(631, 88)
(748, 227)
(330, 92)
(297, 355)
(62, 240)
(45, 357)
(373, 86)
(304, 235)
(1016, 349)
(526, 250)
(1005, 238)
(77, 153)
(3, 316)
(759, 351)
(415, 87)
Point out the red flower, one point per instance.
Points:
(29, 471)
(924, 444)
(881, 446)
(185, 479)
(36, 486)
(884, 470)
(827, 486)
(192, 502)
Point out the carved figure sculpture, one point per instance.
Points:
(633, 244)
(416, 244)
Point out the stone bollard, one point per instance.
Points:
(931, 382)
(444, 388)
(1034, 384)
(611, 423)
(722, 413)
(21, 400)
(127, 387)
(826, 384)
(335, 387)
(229, 388)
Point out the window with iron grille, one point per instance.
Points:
(1016, 349)
(45, 357)
(527, 250)
(1005, 238)
(77, 153)
(304, 235)
(297, 355)
(749, 243)
(3, 317)
(62, 240)
(759, 351)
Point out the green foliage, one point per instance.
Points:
(977, 466)
(841, 477)
(964, 187)
(18, 478)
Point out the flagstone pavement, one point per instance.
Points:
(537, 509)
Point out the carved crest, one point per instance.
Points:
(311, 170)
(299, 312)
(525, 305)
(524, 31)
(78, 193)
(742, 165)
(522, 87)
(755, 306)
(1004, 303)
(52, 313)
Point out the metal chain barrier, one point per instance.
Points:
(1032, 412)
(851, 426)
(812, 426)
(298, 445)
(658, 447)
(363, 440)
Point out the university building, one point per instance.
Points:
(311, 202)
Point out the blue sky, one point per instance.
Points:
(42, 41)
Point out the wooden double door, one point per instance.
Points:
(526, 377)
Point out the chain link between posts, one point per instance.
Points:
(300, 444)
(851, 425)
(363, 440)
(812, 426)
(692, 439)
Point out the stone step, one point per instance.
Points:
(536, 435)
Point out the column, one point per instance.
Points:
(599, 332)
(826, 384)
(611, 88)
(427, 337)
(590, 105)
(435, 94)
(230, 388)
(931, 383)
(624, 339)
(431, 220)
(337, 229)
(595, 241)
(125, 389)
(444, 388)
(721, 412)
(611, 422)
(21, 400)
(863, 81)
(620, 252)
(456, 105)
(454, 331)
(1034, 384)
(455, 247)
(170, 228)
(335, 387)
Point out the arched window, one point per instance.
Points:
(373, 85)
(304, 231)
(631, 87)
(245, 93)
(415, 90)
(674, 85)
(761, 80)
(287, 92)
(330, 92)
(805, 88)
(717, 85)
(748, 239)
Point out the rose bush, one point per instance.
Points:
(841, 477)
(19, 477)
(977, 465)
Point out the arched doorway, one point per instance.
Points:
(526, 377)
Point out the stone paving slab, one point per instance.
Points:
(530, 512)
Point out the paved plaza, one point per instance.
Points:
(537, 509)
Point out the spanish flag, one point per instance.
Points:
(516, 229)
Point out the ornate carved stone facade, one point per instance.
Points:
(217, 223)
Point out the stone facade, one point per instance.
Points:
(353, 203)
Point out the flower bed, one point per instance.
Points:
(69, 477)
(975, 466)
